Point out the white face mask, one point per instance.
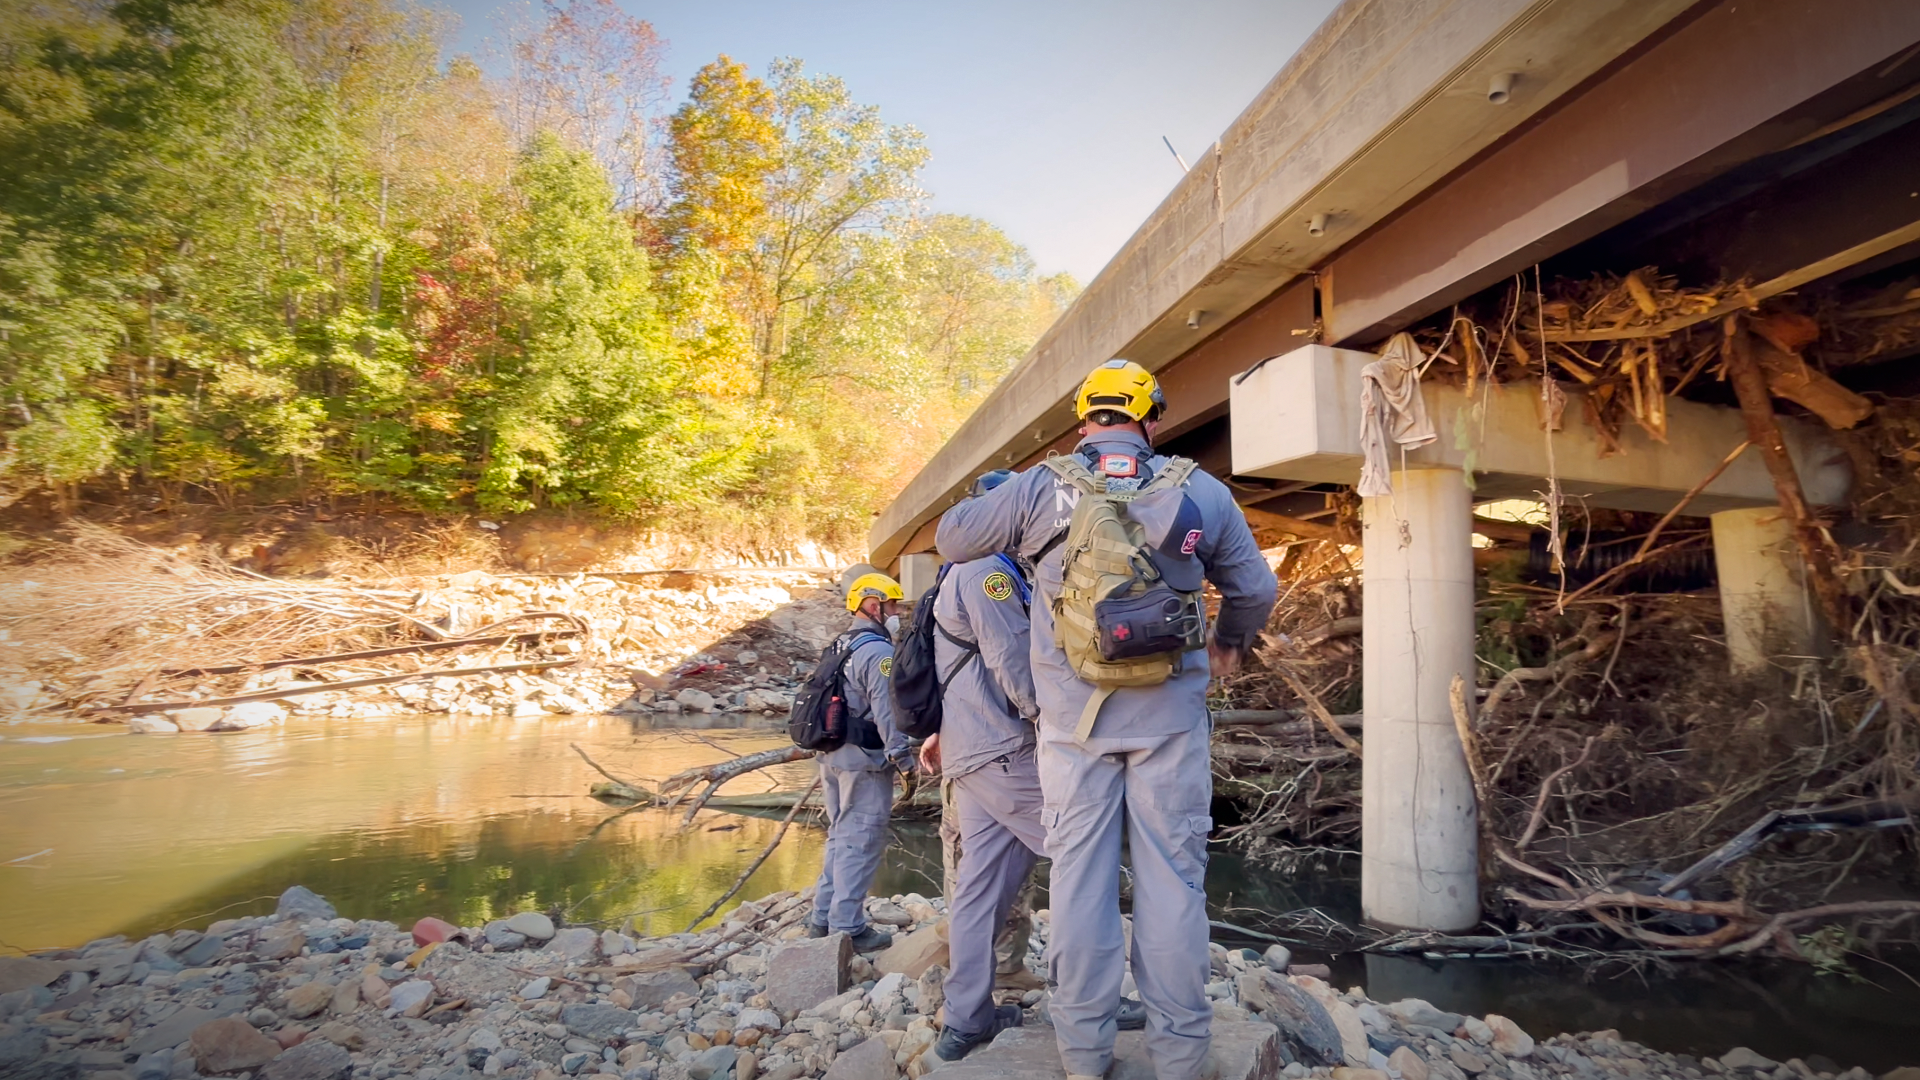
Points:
(893, 626)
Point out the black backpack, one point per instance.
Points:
(918, 689)
(818, 719)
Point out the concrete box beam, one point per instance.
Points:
(917, 574)
(1297, 417)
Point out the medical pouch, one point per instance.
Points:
(1150, 623)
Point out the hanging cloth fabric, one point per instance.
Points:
(1392, 412)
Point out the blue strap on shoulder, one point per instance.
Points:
(1019, 579)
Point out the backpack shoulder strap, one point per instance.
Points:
(1074, 471)
(1176, 472)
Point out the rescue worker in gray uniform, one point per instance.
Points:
(985, 751)
(857, 781)
(1144, 769)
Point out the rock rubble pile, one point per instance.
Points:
(306, 995)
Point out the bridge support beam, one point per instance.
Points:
(1419, 825)
(1764, 599)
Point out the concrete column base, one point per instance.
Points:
(1419, 820)
(1768, 608)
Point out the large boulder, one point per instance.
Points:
(1305, 1026)
(230, 1044)
(802, 974)
(914, 953)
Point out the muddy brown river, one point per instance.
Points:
(472, 819)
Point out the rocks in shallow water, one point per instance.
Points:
(303, 904)
(532, 924)
(229, 1045)
(249, 715)
(695, 700)
(152, 725)
(199, 718)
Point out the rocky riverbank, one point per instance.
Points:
(674, 644)
(306, 995)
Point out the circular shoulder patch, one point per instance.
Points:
(886, 667)
(998, 586)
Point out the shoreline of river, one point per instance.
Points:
(305, 994)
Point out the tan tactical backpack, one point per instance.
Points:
(1116, 618)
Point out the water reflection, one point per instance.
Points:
(470, 819)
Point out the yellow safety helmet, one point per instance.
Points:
(879, 585)
(1123, 386)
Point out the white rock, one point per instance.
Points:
(484, 1039)
(536, 989)
(695, 700)
(1278, 957)
(249, 715)
(199, 718)
(535, 925)
(410, 998)
(152, 725)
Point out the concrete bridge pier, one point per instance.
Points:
(1419, 827)
(1769, 610)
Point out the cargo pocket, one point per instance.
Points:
(1191, 862)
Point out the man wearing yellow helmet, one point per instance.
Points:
(1127, 760)
(856, 780)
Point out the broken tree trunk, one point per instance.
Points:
(1763, 430)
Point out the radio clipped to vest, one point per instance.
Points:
(1117, 619)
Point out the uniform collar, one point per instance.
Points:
(861, 622)
(1117, 442)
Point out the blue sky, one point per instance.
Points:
(1044, 117)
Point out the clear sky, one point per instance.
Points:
(1043, 116)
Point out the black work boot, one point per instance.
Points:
(815, 930)
(871, 939)
(1131, 1015)
(954, 1045)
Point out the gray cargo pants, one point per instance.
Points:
(1157, 789)
(1016, 934)
(998, 811)
(859, 808)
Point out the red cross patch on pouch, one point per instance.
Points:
(1119, 465)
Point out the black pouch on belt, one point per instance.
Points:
(1146, 624)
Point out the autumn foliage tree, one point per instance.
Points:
(288, 249)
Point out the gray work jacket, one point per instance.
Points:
(1023, 515)
(870, 697)
(989, 701)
